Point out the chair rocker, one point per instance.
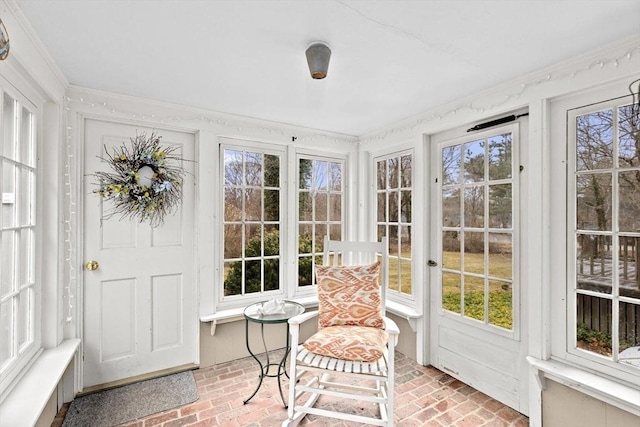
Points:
(351, 357)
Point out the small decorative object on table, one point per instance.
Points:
(145, 182)
(273, 306)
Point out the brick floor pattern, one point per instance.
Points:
(425, 396)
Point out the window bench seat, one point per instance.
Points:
(25, 403)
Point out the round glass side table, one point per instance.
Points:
(253, 313)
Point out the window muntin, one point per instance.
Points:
(478, 228)
(252, 221)
(394, 191)
(17, 234)
(320, 211)
(605, 189)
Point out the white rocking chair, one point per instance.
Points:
(313, 375)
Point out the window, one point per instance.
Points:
(604, 223)
(394, 179)
(18, 334)
(478, 180)
(252, 245)
(320, 211)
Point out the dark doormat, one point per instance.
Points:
(123, 404)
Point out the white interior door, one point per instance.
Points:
(477, 325)
(140, 313)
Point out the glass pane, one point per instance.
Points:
(321, 176)
(451, 250)
(26, 248)
(594, 263)
(7, 273)
(629, 333)
(474, 252)
(629, 201)
(304, 239)
(594, 139)
(381, 174)
(335, 207)
(321, 206)
(253, 276)
(394, 246)
(593, 324)
(451, 207)
(232, 241)
(304, 174)
(271, 170)
(474, 161)
(394, 273)
(405, 206)
(335, 176)
(474, 297)
(232, 204)
(271, 240)
(500, 156)
(335, 232)
(253, 240)
(382, 231)
(9, 196)
(9, 126)
(393, 206)
(628, 271)
(629, 145)
(593, 201)
(233, 278)
(393, 170)
(27, 199)
(451, 292)
(305, 206)
(272, 205)
(6, 330)
(304, 271)
(253, 205)
(271, 274)
(405, 171)
(24, 317)
(474, 206)
(320, 232)
(500, 206)
(382, 207)
(500, 304)
(232, 167)
(27, 138)
(500, 255)
(451, 165)
(405, 276)
(253, 169)
(405, 241)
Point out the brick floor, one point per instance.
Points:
(425, 396)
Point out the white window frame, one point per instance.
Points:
(392, 294)
(561, 234)
(28, 350)
(342, 159)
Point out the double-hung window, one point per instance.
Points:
(604, 232)
(19, 332)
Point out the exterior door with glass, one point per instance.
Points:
(476, 320)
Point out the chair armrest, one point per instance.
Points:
(390, 326)
(301, 318)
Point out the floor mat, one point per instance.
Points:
(123, 404)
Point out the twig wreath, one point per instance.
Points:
(145, 181)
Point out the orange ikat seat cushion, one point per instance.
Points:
(356, 343)
(349, 296)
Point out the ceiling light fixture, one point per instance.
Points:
(318, 55)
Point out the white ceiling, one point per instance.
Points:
(391, 59)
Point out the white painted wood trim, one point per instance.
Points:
(27, 400)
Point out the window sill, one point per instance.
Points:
(235, 314)
(25, 403)
(604, 389)
(405, 312)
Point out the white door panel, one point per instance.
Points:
(140, 311)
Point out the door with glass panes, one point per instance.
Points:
(476, 318)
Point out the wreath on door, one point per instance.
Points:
(145, 181)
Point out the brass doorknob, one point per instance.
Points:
(92, 265)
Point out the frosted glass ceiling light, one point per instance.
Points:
(318, 55)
